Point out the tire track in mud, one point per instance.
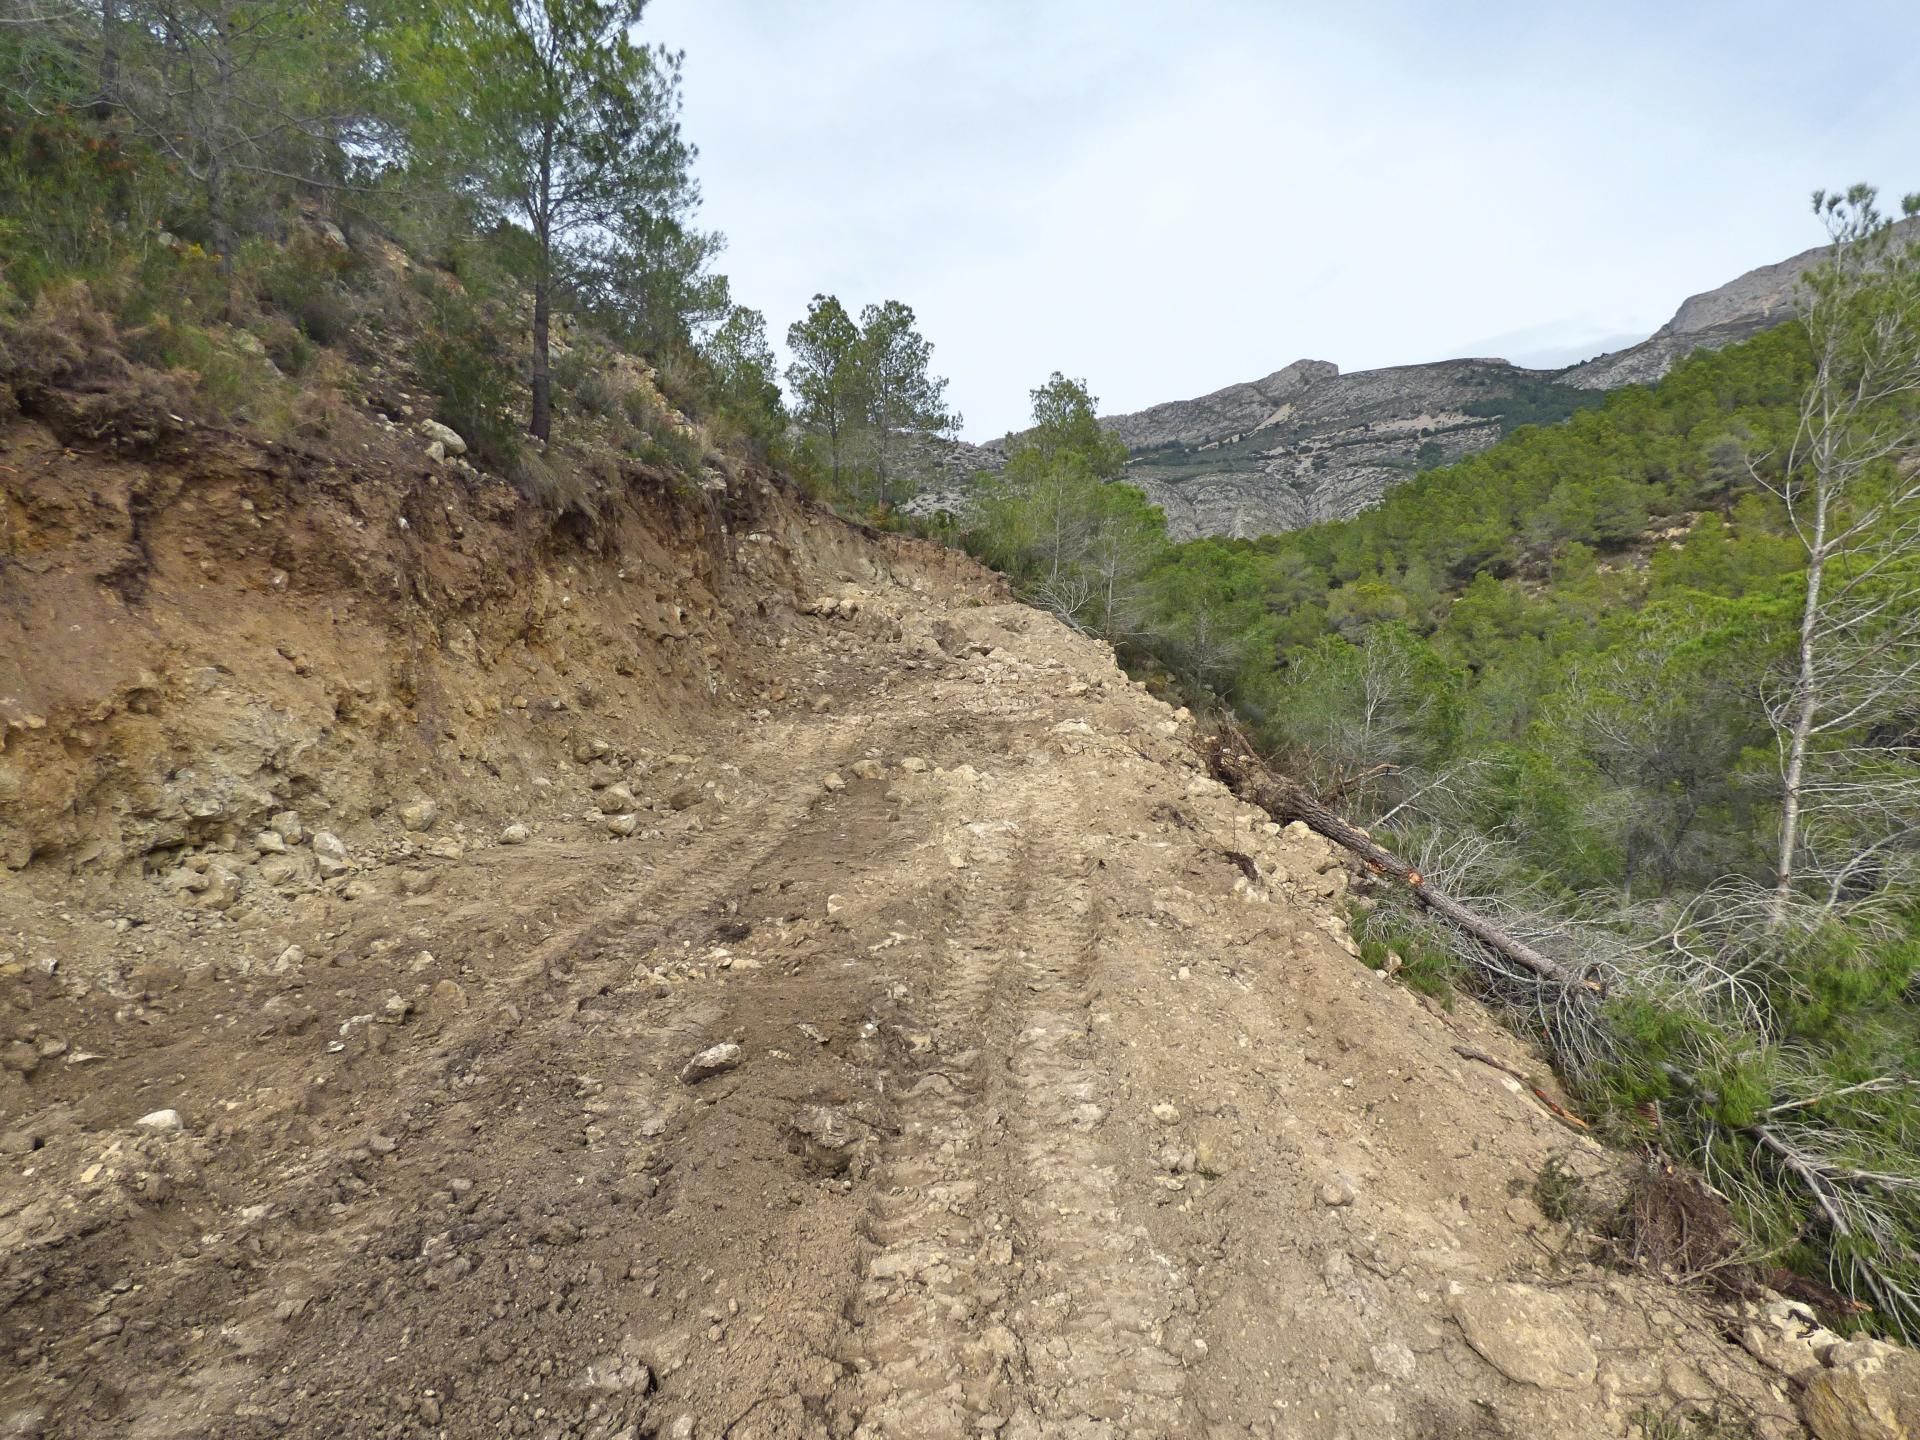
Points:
(924, 1365)
(1006, 1291)
(597, 953)
(1102, 1313)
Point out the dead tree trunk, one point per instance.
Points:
(1233, 762)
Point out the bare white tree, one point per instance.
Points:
(1849, 481)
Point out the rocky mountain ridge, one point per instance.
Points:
(1308, 443)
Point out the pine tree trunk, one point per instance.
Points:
(541, 424)
(1806, 702)
(109, 59)
(219, 222)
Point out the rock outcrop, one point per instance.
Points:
(1307, 443)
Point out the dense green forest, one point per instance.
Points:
(1644, 685)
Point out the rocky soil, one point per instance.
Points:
(696, 969)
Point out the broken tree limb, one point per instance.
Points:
(1554, 1108)
(1234, 762)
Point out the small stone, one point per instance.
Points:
(825, 1138)
(382, 1144)
(715, 1060)
(420, 815)
(161, 1122)
(623, 824)
(914, 765)
(289, 960)
(329, 854)
(1393, 1360)
(868, 770)
(515, 834)
(822, 704)
(19, 1057)
(270, 842)
(681, 1429)
(1336, 1194)
(617, 798)
(833, 784)
(279, 870)
(394, 1010)
(1166, 1114)
(222, 890)
(286, 824)
(448, 997)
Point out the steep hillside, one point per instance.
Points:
(702, 969)
(1308, 444)
(1317, 445)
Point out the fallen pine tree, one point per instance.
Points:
(1814, 1181)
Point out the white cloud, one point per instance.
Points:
(1169, 199)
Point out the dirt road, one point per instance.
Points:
(936, 1052)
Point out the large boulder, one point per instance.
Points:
(445, 436)
(1869, 1390)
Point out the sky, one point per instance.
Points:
(1163, 199)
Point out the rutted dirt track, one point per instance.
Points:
(1060, 1108)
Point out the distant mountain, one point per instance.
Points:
(1308, 443)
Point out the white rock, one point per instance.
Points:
(329, 853)
(515, 834)
(420, 815)
(161, 1122)
(446, 435)
(715, 1060)
(623, 824)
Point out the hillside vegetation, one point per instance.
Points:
(1644, 685)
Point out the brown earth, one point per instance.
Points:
(1061, 1106)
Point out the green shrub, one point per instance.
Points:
(73, 203)
(463, 362)
(309, 281)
